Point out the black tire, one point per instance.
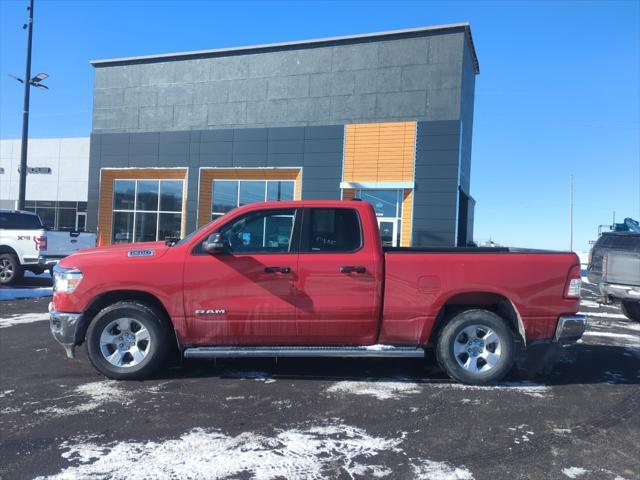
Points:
(453, 331)
(156, 349)
(631, 309)
(10, 269)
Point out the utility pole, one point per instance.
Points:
(571, 213)
(25, 114)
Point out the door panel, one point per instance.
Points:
(337, 305)
(246, 296)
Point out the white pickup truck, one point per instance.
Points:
(25, 244)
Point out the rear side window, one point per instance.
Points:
(332, 230)
(19, 221)
(629, 243)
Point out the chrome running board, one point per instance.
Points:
(372, 351)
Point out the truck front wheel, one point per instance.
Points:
(476, 347)
(631, 309)
(10, 269)
(128, 341)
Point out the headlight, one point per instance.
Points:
(65, 281)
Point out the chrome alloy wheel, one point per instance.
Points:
(125, 342)
(6, 269)
(477, 349)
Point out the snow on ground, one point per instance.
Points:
(381, 389)
(395, 388)
(574, 472)
(93, 395)
(257, 376)
(316, 452)
(16, 293)
(525, 387)
(625, 338)
(22, 319)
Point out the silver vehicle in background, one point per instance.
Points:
(614, 266)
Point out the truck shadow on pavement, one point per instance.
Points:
(579, 364)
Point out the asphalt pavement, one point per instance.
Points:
(324, 418)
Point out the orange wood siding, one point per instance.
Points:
(379, 152)
(407, 218)
(348, 193)
(105, 205)
(207, 175)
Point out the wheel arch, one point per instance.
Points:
(7, 249)
(109, 298)
(491, 301)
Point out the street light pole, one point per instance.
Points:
(25, 114)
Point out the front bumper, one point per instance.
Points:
(621, 292)
(63, 327)
(570, 328)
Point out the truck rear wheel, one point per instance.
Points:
(476, 347)
(10, 269)
(128, 341)
(631, 310)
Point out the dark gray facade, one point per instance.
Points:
(286, 105)
(318, 150)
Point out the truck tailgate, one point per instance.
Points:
(66, 243)
(621, 267)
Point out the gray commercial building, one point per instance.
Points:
(179, 139)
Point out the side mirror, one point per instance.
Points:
(215, 244)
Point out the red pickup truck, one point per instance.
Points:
(308, 279)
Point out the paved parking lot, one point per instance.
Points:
(309, 419)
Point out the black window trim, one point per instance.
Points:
(295, 237)
(306, 226)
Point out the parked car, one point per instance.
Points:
(614, 266)
(26, 245)
(311, 279)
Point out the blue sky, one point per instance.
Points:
(558, 93)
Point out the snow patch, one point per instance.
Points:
(17, 293)
(5, 393)
(258, 376)
(440, 471)
(98, 394)
(603, 315)
(634, 339)
(313, 453)
(574, 472)
(526, 388)
(380, 389)
(23, 319)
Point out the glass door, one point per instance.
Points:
(81, 220)
(388, 231)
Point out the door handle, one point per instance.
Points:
(350, 269)
(277, 269)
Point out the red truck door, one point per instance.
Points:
(339, 280)
(245, 296)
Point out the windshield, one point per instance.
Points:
(192, 234)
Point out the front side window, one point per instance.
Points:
(265, 231)
(230, 194)
(332, 230)
(146, 210)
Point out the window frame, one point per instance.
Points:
(294, 247)
(135, 211)
(215, 215)
(305, 234)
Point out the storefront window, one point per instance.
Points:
(230, 194)
(146, 210)
(61, 215)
